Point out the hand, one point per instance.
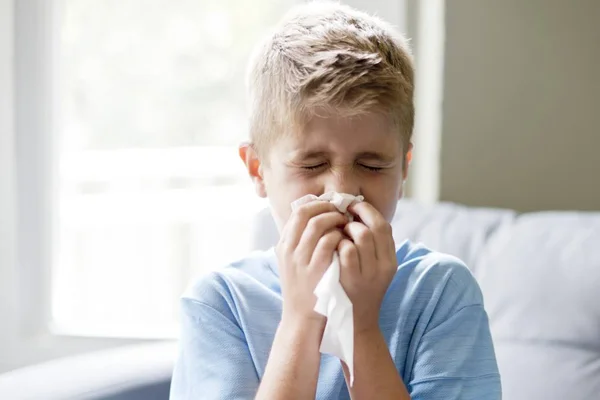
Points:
(367, 263)
(305, 251)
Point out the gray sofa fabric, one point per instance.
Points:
(541, 283)
(140, 372)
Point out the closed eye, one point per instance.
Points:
(369, 168)
(313, 167)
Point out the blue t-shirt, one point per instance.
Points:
(432, 318)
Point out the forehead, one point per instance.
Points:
(345, 135)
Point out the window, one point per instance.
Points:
(151, 191)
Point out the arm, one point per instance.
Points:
(304, 252)
(375, 373)
(293, 366)
(215, 361)
(368, 264)
(454, 358)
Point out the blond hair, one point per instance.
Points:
(329, 57)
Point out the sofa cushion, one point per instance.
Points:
(540, 278)
(449, 228)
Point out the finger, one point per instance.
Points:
(316, 228)
(349, 261)
(381, 229)
(369, 215)
(299, 218)
(326, 246)
(365, 244)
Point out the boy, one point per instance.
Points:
(331, 95)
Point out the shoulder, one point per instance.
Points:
(222, 288)
(437, 281)
(447, 327)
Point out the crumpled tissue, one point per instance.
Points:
(332, 300)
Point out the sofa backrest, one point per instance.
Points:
(540, 278)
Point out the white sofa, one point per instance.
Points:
(539, 272)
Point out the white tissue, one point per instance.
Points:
(332, 300)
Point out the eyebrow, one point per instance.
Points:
(365, 155)
(306, 155)
(375, 156)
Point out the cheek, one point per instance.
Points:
(390, 211)
(387, 207)
(384, 197)
(282, 190)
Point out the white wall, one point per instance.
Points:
(521, 115)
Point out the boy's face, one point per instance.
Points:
(359, 156)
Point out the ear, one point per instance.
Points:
(406, 161)
(405, 167)
(255, 170)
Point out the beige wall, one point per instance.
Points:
(521, 104)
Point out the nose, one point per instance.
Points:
(342, 182)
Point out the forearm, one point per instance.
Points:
(293, 367)
(375, 375)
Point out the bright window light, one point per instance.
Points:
(151, 191)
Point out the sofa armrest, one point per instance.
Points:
(126, 373)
